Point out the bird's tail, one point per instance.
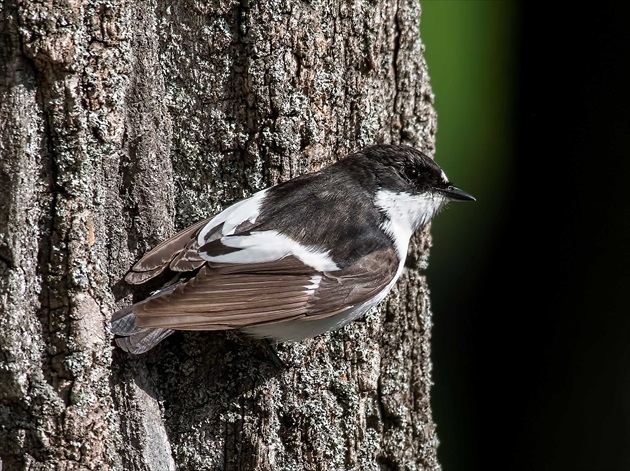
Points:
(134, 339)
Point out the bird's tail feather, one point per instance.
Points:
(134, 339)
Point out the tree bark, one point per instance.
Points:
(122, 122)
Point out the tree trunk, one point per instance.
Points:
(120, 123)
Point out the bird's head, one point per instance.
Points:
(407, 183)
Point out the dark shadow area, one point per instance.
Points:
(531, 344)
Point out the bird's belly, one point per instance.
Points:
(304, 328)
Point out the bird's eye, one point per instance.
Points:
(411, 172)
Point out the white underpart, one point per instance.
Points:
(405, 213)
(234, 216)
(267, 246)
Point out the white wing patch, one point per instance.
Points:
(234, 216)
(267, 246)
(315, 281)
(258, 246)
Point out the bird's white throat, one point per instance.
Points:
(405, 214)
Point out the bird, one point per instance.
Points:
(294, 260)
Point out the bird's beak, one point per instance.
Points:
(455, 194)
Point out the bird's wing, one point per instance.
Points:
(172, 253)
(180, 253)
(235, 295)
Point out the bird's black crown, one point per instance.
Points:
(396, 168)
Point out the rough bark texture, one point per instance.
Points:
(120, 123)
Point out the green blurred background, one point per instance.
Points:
(531, 342)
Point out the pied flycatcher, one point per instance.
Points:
(295, 260)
